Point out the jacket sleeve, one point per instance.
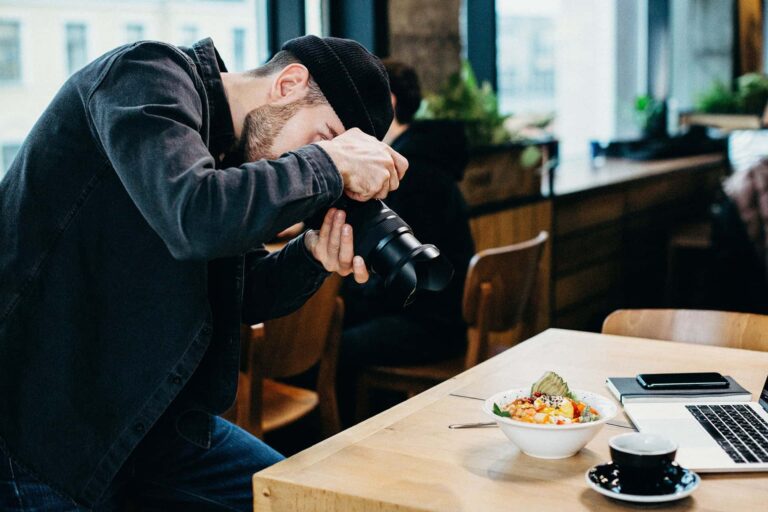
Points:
(146, 112)
(278, 283)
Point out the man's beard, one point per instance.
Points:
(261, 127)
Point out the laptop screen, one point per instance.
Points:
(764, 396)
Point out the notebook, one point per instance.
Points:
(628, 390)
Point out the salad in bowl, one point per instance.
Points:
(550, 420)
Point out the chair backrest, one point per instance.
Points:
(721, 328)
(294, 343)
(510, 271)
(497, 289)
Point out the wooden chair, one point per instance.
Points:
(724, 329)
(497, 297)
(285, 347)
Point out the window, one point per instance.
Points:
(576, 62)
(238, 49)
(134, 32)
(77, 47)
(10, 51)
(316, 17)
(526, 61)
(7, 155)
(189, 35)
(702, 43)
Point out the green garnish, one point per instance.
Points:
(587, 416)
(499, 412)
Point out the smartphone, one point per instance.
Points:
(707, 380)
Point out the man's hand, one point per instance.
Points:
(333, 246)
(369, 168)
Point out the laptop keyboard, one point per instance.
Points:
(737, 429)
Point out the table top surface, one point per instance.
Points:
(407, 458)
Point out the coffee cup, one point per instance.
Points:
(642, 460)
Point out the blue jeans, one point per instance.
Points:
(167, 472)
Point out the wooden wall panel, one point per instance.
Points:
(583, 212)
(593, 281)
(597, 244)
(588, 314)
(610, 248)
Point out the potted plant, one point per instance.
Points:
(505, 162)
(739, 108)
(651, 115)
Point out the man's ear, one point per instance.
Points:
(393, 98)
(290, 84)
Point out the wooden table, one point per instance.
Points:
(406, 458)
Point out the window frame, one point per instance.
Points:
(239, 66)
(68, 71)
(20, 50)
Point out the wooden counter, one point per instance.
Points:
(609, 227)
(582, 176)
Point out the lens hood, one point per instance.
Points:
(391, 250)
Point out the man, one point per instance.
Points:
(131, 234)
(431, 328)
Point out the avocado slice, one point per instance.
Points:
(551, 384)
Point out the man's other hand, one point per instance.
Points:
(368, 167)
(332, 246)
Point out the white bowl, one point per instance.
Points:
(551, 441)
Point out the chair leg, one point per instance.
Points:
(326, 379)
(251, 416)
(250, 397)
(329, 415)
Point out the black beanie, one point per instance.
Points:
(352, 79)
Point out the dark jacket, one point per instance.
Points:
(129, 258)
(430, 201)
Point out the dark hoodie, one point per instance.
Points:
(429, 200)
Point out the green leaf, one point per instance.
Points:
(530, 157)
(587, 416)
(498, 412)
(719, 99)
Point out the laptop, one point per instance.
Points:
(711, 436)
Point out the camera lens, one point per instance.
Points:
(391, 250)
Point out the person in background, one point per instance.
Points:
(378, 332)
(132, 230)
